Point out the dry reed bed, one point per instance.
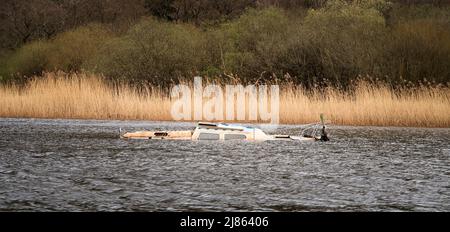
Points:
(89, 97)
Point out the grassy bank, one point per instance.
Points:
(89, 97)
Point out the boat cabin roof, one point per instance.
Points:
(225, 126)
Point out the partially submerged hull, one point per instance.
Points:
(215, 131)
(182, 135)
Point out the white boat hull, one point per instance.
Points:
(215, 131)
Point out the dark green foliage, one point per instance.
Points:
(419, 50)
(154, 52)
(68, 52)
(335, 40)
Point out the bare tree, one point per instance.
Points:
(22, 21)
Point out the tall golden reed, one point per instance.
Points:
(81, 96)
(87, 96)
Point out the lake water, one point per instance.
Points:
(79, 165)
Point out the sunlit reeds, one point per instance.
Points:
(85, 96)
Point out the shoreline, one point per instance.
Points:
(236, 122)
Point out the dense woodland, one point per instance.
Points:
(161, 41)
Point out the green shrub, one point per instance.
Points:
(346, 39)
(153, 51)
(252, 43)
(419, 50)
(71, 49)
(67, 52)
(30, 59)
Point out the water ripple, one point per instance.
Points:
(77, 165)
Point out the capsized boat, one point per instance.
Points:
(224, 131)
